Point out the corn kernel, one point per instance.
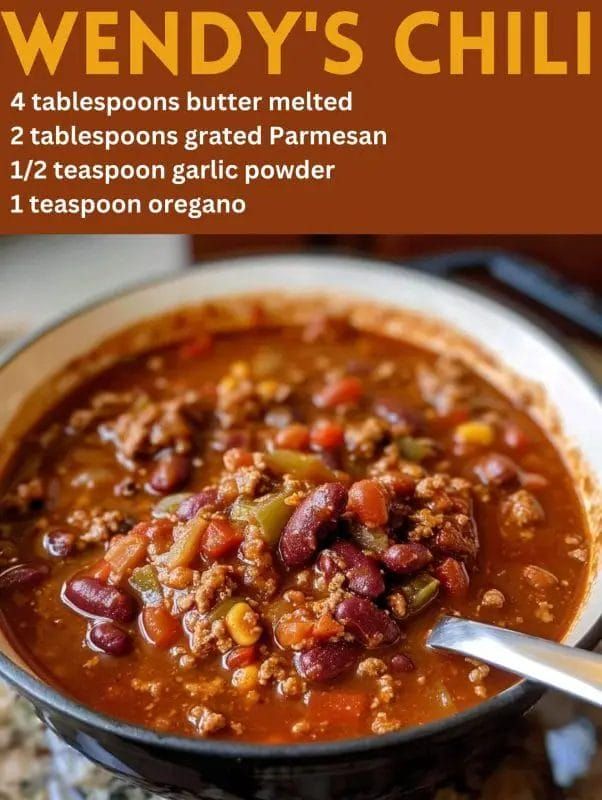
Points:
(245, 678)
(474, 433)
(242, 624)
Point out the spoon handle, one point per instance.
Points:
(567, 669)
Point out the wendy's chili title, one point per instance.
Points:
(124, 42)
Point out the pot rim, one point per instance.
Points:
(39, 692)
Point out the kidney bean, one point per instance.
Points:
(106, 636)
(170, 473)
(369, 502)
(402, 663)
(313, 519)
(329, 564)
(369, 624)
(326, 661)
(363, 575)
(404, 559)
(23, 576)
(452, 575)
(226, 440)
(397, 413)
(496, 469)
(241, 656)
(192, 505)
(332, 459)
(91, 596)
(59, 543)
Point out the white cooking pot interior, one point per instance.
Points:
(522, 346)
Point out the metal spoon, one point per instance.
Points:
(567, 669)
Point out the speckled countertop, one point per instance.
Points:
(554, 754)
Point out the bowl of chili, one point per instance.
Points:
(235, 502)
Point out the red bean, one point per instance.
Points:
(106, 636)
(399, 485)
(404, 559)
(23, 576)
(363, 575)
(170, 473)
(313, 519)
(329, 564)
(326, 661)
(402, 663)
(59, 544)
(192, 505)
(496, 469)
(452, 575)
(370, 625)
(90, 596)
(241, 656)
(226, 440)
(397, 413)
(369, 502)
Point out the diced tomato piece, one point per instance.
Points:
(220, 539)
(125, 553)
(157, 531)
(290, 632)
(453, 577)
(160, 628)
(293, 437)
(326, 627)
(101, 571)
(344, 391)
(368, 501)
(327, 435)
(197, 347)
(338, 708)
(241, 656)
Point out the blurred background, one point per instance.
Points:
(553, 754)
(555, 279)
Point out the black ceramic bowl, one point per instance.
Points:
(394, 765)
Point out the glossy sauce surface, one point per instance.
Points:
(368, 408)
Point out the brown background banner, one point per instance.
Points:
(467, 153)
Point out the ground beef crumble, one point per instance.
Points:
(362, 582)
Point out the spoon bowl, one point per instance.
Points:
(567, 669)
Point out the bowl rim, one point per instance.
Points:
(39, 692)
